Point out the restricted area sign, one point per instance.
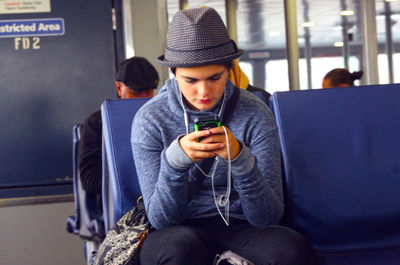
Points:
(31, 27)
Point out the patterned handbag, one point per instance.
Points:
(122, 243)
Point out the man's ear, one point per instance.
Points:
(118, 87)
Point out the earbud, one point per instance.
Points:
(222, 200)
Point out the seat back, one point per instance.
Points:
(341, 160)
(87, 222)
(120, 184)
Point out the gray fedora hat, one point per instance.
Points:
(198, 37)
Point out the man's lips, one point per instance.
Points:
(204, 101)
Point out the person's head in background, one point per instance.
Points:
(199, 53)
(340, 77)
(136, 78)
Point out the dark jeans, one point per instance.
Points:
(198, 241)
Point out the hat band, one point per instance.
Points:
(218, 51)
(208, 48)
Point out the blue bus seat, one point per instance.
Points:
(120, 184)
(341, 170)
(87, 223)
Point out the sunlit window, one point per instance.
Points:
(322, 65)
(276, 72)
(277, 78)
(384, 68)
(247, 68)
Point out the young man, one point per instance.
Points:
(217, 189)
(135, 78)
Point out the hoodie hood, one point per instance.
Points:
(237, 76)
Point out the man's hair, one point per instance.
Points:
(228, 65)
(340, 76)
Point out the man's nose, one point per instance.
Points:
(203, 89)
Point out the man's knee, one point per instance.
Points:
(278, 245)
(178, 245)
(292, 248)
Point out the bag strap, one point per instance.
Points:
(232, 258)
(230, 105)
(207, 163)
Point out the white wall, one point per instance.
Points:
(36, 235)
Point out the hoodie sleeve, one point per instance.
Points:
(159, 177)
(256, 171)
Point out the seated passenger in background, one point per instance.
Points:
(135, 78)
(218, 189)
(340, 77)
(239, 79)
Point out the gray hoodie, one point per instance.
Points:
(163, 167)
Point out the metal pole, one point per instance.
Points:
(128, 36)
(345, 37)
(292, 47)
(231, 8)
(370, 43)
(346, 49)
(307, 44)
(308, 56)
(259, 73)
(358, 35)
(183, 4)
(162, 35)
(389, 40)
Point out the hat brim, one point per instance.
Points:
(228, 58)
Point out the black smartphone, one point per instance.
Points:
(205, 123)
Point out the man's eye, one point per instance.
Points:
(190, 80)
(215, 78)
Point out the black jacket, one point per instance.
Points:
(89, 156)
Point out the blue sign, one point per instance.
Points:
(32, 27)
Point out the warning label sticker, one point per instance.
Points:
(26, 6)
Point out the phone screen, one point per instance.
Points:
(205, 123)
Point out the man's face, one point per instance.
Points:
(125, 92)
(202, 86)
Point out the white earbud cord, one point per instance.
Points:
(223, 200)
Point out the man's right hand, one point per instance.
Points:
(197, 150)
